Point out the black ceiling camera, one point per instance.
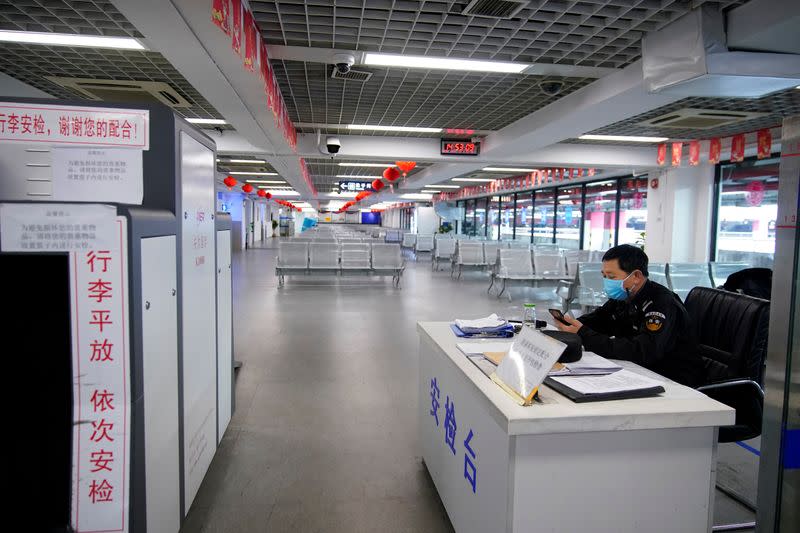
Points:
(333, 145)
(343, 62)
(551, 87)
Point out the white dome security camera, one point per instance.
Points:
(343, 62)
(333, 145)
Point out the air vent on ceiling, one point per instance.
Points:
(361, 76)
(123, 91)
(701, 119)
(499, 9)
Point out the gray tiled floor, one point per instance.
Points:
(324, 433)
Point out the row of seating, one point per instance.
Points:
(550, 263)
(323, 257)
(586, 289)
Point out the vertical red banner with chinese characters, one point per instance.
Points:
(764, 143)
(101, 433)
(250, 53)
(714, 150)
(694, 153)
(677, 154)
(220, 10)
(661, 157)
(236, 25)
(737, 148)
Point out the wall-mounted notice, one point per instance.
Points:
(98, 175)
(56, 227)
(101, 418)
(74, 125)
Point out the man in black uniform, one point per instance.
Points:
(642, 321)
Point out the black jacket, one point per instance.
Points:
(651, 330)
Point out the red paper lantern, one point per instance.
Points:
(247, 188)
(268, 195)
(229, 182)
(262, 193)
(378, 185)
(405, 166)
(391, 174)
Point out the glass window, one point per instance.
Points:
(507, 218)
(568, 218)
(747, 211)
(632, 211)
(543, 217)
(480, 217)
(469, 218)
(599, 215)
(494, 218)
(522, 229)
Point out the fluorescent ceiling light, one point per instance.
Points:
(342, 194)
(473, 180)
(206, 121)
(429, 191)
(239, 173)
(498, 169)
(265, 181)
(416, 196)
(68, 39)
(358, 177)
(243, 161)
(409, 129)
(445, 63)
(285, 193)
(446, 186)
(624, 138)
(376, 165)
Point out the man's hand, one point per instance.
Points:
(572, 328)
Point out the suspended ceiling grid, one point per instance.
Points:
(325, 171)
(31, 64)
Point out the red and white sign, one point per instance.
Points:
(764, 143)
(677, 152)
(694, 153)
(714, 150)
(71, 125)
(661, 157)
(101, 428)
(737, 148)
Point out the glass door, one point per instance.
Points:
(568, 217)
(599, 215)
(544, 216)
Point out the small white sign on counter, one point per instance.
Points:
(98, 175)
(35, 227)
(529, 360)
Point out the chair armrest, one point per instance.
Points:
(747, 398)
(734, 385)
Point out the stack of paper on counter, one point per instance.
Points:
(620, 385)
(590, 364)
(487, 327)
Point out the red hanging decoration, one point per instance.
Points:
(363, 194)
(714, 150)
(262, 193)
(694, 153)
(677, 154)
(764, 143)
(236, 25)
(661, 158)
(247, 188)
(229, 182)
(378, 185)
(219, 14)
(737, 148)
(391, 174)
(405, 166)
(268, 195)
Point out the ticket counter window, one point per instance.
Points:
(599, 214)
(747, 210)
(480, 216)
(507, 217)
(632, 211)
(568, 217)
(523, 217)
(544, 216)
(494, 218)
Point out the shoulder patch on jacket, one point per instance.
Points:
(654, 321)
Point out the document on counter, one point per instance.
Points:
(619, 385)
(590, 364)
(480, 348)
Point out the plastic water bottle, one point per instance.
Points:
(529, 315)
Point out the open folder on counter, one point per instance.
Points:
(590, 364)
(620, 385)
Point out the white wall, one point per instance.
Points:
(679, 214)
(427, 220)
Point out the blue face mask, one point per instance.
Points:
(614, 289)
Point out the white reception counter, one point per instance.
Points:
(640, 465)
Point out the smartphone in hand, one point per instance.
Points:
(558, 315)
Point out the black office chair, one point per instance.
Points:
(731, 331)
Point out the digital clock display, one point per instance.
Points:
(460, 147)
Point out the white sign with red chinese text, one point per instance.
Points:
(35, 227)
(101, 417)
(98, 175)
(74, 125)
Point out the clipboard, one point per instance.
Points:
(579, 397)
